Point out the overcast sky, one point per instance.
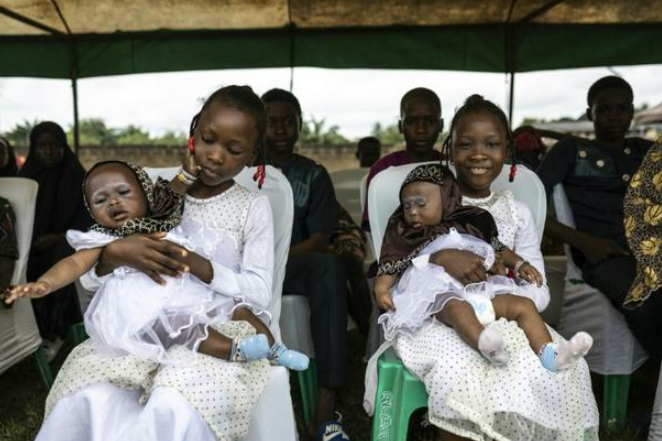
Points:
(352, 99)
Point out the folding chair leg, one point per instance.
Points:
(78, 334)
(615, 401)
(44, 367)
(308, 386)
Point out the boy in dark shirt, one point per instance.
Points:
(311, 271)
(420, 124)
(595, 175)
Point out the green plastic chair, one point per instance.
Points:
(615, 401)
(43, 367)
(308, 389)
(399, 394)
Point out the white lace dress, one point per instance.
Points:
(522, 401)
(100, 398)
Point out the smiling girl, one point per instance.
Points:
(469, 397)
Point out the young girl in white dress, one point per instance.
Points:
(98, 398)
(469, 397)
(413, 291)
(130, 314)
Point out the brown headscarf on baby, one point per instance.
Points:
(403, 242)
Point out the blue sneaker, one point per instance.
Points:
(255, 347)
(291, 359)
(332, 430)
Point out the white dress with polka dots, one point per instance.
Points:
(521, 401)
(222, 393)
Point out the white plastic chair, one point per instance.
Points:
(18, 327)
(615, 353)
(347, 186)
(273, 413)
(384, 191)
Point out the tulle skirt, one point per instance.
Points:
(131, 314)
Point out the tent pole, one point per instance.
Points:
(74, 90)
(511, 97)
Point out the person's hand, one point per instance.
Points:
(597, 249)
(464, 266)
(46, 241)
(529, 273)
(189, 165)
(147, 253)
(384, 300)
(31, 290)
(498, 268)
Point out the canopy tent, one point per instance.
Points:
(46, 38)
(87, 38)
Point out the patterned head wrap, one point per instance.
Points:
(403, 242)
(165, 206)
(642, 207)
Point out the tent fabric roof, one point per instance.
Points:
(45, 38)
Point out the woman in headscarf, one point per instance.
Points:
(59, 207)
(8, 167)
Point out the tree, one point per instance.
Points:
(389, 135)
(171, 138)
(20, 134)
(313, 132)
(93, 131)
(132, 135)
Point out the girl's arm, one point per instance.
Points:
(253, 283)
(146, 253)
(63, 273)
(383, 285)
(527, 246)
(522, 267)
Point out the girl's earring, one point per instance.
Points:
(191, 145)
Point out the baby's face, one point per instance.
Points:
(421, 203)
(114, 195)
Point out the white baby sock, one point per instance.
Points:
(572, 350)
(490, 344)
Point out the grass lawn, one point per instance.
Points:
(22, 397)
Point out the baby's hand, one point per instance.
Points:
(32, 290)
(385, 300)
(189, 165)
(529, 273)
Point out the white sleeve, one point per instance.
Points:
(253, 283)
(91, 281)
(527, 245)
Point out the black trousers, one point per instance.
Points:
(322, 279)
(613, 278)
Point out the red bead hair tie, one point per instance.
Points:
(260, 175)
(513, 170)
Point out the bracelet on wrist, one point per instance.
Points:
(186, 175)
(519, 265)
(181, 177)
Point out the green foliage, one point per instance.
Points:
(20, 134)
(389, 135)
(314, 132)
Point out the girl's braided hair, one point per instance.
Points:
(474, 104)
(244, 99)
